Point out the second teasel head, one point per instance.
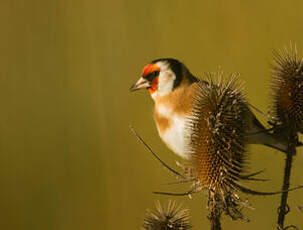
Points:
(173, 217)
(287, 85)
(217, 140)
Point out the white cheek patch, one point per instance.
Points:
(166, 82)
(166, 79)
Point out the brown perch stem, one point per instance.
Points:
(284, 209)
(214, 218)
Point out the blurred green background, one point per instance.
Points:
(67, 157)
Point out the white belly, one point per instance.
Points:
(175, 136)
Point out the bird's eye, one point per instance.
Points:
(152, 75)
(156, 73)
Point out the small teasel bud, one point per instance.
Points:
(173, 217)
(287, 85)
(216, 133)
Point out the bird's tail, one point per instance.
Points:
(272, 141)
(257, 134)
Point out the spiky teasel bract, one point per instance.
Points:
(173, 217)
(217, 142)
(287, 85)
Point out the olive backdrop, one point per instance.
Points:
(67, 157)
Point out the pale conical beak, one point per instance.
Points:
(140, 84)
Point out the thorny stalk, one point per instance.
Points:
(214, 218)
(284, 208)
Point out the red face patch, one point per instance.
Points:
(150, 68)
(153, 86)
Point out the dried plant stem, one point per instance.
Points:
(215, 220)
(284, 209)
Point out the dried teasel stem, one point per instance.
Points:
(215, 215)
(173, 217)
(283, 209)
(154, 154)
(214, 218)
(288, 109)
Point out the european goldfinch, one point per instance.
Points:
(172, 87)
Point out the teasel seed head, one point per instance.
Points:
(287, 85)
(173, 217)
(217, 141)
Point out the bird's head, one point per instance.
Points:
(161, 77)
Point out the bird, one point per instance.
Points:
(172, 87)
